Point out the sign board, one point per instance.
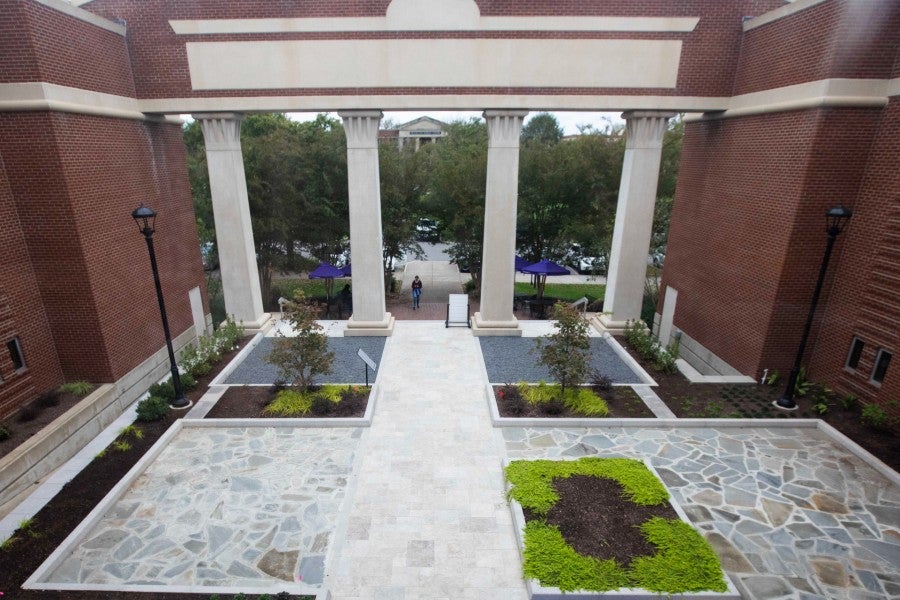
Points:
(366, 359)
(457, 310)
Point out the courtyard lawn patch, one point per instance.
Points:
(651, 549)
(567, 292)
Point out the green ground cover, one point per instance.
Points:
(565, 291)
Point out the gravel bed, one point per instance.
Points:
(347, 367)
(509, 360)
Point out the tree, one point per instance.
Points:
(542, 127)
(301, 357)
(402, 188)
(566, 352)
(456, 190)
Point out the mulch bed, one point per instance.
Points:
(31, 419)
(248, 401)
(712, 400)
(597, 520)
(65, 511)
(623, 403)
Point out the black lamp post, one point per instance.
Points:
(837, 218)
(145, 217)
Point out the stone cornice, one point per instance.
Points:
(37, 96)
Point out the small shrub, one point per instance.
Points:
(79, 388)
(510, 398)
(131, 430)
(321, 404)
(153, 408)
(553, 407)
(584, 401)
(121, 446)
(187, 381)
(821, 408)
(165, 390)
(803, 385)
(200, 369)
(48, 399)
(5, 432)
(873, 416)
(29, 413)
(848, 402)
(773, 378)
(289, 403)
(601, 382)
(352, 399)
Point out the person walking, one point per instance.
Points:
(416, 291)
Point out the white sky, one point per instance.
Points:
(569, 121)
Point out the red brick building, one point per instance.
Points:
(748, 228)
(800, 113)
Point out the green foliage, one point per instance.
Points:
(773, 378)
(645, 345)
(537, 394)
(153, 408)
(305, 354)
(187, 381)
(290, 403)
(131, 431)
(531, 480)
(849, 401)
(165, 390)
(553, 562)
(584, 401)
(685, 562)
(196, 360)
(567, 292)
(29, 528)
(567, 351)
(79, 388)
(803, 385)
(5, 432)
(874, 416)
(121, 446)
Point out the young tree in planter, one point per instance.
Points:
(565, 352)
(301, 357)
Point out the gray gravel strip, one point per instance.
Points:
(348, 367)
(508, 361)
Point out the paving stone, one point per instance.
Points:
(777, 512)
(830, 572)
(312, 569)
(420, 553)
(829, 504)
(768, 588)
(731, 558)
(280, 565)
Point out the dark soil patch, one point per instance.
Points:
(623, 403)
(248, 401)
(71, 505)
(754, 401)
(597, 520)
(32, 418)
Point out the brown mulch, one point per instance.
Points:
(712, 400)
(243, 402)
(30, 419)
(64, 512)
(623, 403)
(596, 519)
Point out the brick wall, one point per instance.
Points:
(835, 39)
(75, 180)
(21, 315)
(709, 54)
(748, 230)
(41, 44)
(865, 299)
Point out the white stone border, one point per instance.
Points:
(695, 376)
(35, 581)
(237, 360)
(536, 591)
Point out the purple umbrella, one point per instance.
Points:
(328, 273)
(521, 263)
(542, 269)
(346, 270)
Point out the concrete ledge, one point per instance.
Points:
(482, 328)
(56, 443)
(237, 360)
(536, 591)
(366, 328)
(695, 376)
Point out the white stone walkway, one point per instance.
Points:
(428, 518)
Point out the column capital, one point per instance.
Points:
(645, 128)
(221, 131)
(361, 127)
(504, 127)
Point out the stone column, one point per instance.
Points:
(501, 195)
(364, 188)
(231, 211)
(634, 218)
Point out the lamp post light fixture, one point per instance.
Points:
(837, 219)
(145, 217)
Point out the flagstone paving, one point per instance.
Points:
(791, 514)
(414, 508)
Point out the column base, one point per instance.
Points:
(604, 323)
(262, 323)
(482, 328)
(383, 328)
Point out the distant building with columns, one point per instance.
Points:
(796, 104)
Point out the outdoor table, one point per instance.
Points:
(538, 307)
